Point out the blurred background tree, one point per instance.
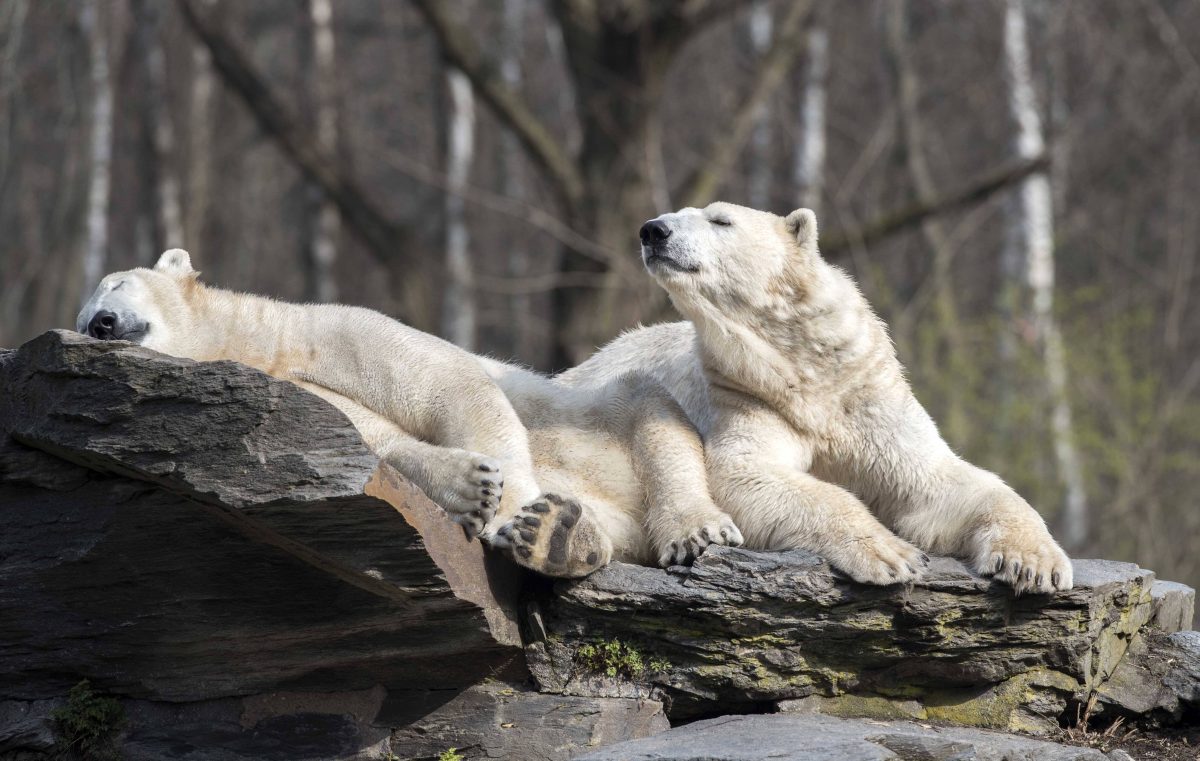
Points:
(1013, 182)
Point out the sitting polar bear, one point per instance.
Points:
(812, 435)
(621, 445)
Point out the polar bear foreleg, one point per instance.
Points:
(466, 484)
(681, 518)
(755, 472)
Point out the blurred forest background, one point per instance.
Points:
(1014, 184)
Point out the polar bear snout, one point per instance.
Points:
(103, 325)
(654, 232)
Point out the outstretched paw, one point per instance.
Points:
(692, 543)
(881, 558)
(1026, 558)
(470, 489)
(555, 536)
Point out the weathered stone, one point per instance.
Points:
(741, 629)
(1158, 678)
(182, 531)
(1174, 606)
(497, 720)
(824, 738)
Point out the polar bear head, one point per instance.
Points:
(146, 306)
(731, 258)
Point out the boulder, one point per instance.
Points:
(741, 631)
(824, 738)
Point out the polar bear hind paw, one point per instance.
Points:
(686, 548)
(555, 536)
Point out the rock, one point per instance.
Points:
(742, 630)
(1174, 606)
(1159, 678)
(824, 738)
(499, 720)
(183, 532)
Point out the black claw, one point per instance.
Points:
(1016, 569)
(998, 565)
(487, 492)
(925, 558)
(1055, 579)
(483, 503)
(1040, 580)
(487, 468)
(487, 482)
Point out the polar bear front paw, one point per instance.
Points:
(1025, 557)
(691, 543)
(881, 558)
(469, 487)
(556, 537)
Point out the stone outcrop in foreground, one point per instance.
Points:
(220, 552)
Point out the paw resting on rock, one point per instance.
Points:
(692, 542)
(473, 490)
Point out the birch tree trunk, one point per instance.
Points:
(809, 171)
(1033, 246)
(168, 207)
(200, 129)
(759, 191)
(95, 246)
(458, 307)
(322, 253)
(512, 183)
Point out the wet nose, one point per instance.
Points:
(103, 325)
(653, 232)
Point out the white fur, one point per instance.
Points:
(813, 437)
(440, 415)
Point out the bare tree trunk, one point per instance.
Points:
(760, 170)
(200, 131)
(512, 183)
(322, 246)
(95, 247)
(169, 215)
(809, 172)
(1034, 224)
(458, 306)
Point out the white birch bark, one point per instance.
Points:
(170, 208)
(809, 172)
(458, 307)
(1034, 247)
(200, 131)
(759, 181)
(324, 241)
(95, 245)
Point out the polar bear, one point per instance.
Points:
(812, 434)
(480, 437)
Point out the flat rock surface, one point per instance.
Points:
(824, 738)
(741, 629)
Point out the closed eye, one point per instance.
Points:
(721, 221)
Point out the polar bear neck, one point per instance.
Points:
(819, 337)
(265, 334)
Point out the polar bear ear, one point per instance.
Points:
(175, 262)
(802, 224)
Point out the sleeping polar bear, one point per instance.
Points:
(622, 446)
(812, 434)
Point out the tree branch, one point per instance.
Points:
(727, 144)
(385, 238)
(461, 51)
(894, 222)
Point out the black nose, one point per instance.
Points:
(654, 232)
(103, 325)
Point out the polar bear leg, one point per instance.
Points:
(466, 484)
(668, 460)
(755, 472)
(973, 514)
